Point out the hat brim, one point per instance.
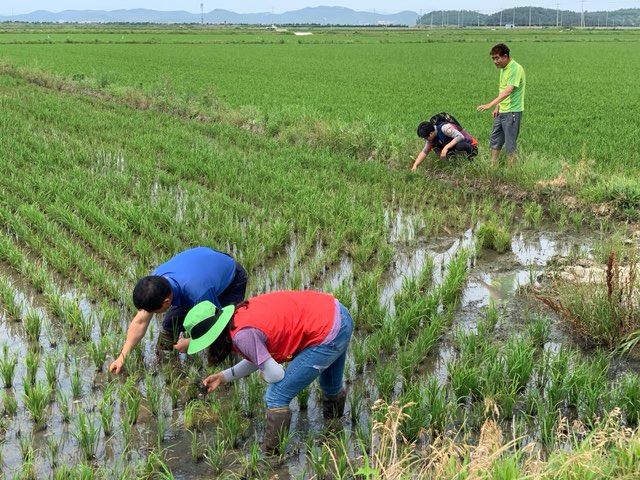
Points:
(200, 343)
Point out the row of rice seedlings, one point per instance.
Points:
(11, 306)
(9, 404)
(87, 434)
(452, 284)
(154, 394)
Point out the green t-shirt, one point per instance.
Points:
(513, 74)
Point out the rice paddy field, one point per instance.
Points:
(495, 308)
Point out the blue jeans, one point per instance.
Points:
(325, 360)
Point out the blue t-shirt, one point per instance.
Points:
(197, 274)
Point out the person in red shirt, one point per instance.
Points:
(308, 330)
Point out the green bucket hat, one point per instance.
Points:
(204, 323)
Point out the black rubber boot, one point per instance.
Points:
(278, 420)
(333, 406)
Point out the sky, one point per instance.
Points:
(14, 7)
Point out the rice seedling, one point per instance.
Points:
(255, 394)
(451, 286)
(303, 398)
(386, 378)
(533, 214)
(252, 461)
(53, 451)
(63, 406)
(548, 418)
(232, 428)
(154, 394)
(76, 380)
(215, 456)
(132, 408)
(87, 435)
(27, 452)
(106, 410)
(197, 448)
(359, 351)
(493, 237)
(32, 361)
(8, 364)
(36, 400)
(318, 457)
(174, 392)
(51, 364)
(519, 362)
(539, 330)
(9, 404)
(32, 325)
(126, 427)
(98, 351)
(161, 430)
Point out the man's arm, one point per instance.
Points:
(135, 332)
(421, 156)
(456, 137)
(496, 101)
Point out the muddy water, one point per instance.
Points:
(492, 277)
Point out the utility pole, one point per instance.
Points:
(202, 13)
(478, 19)
(431, 17)
(513, 23)
(582, 14)
(500, 17)
(606, 19)
(529, 17)
(557, 14)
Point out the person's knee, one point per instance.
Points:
(277, 399)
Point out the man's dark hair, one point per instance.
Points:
(425, 129)
(150, 292)
(500, 49)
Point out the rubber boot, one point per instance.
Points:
(278, 420)
(333, 406)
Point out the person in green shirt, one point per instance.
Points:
(508, 105)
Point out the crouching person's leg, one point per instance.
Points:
(331, 379)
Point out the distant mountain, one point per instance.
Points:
(317, 15)
(534, 16)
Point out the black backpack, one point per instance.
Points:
(445, 117)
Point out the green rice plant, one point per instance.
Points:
(386, 378)
(255, 396)
(51, 364)
(32, 325)
(417, 416)
(548, 418)
(318, 457)
(8, 364)
(215, 456)
(132, 408)
(161, 429)
(252, 462)
(627, 396)
(539, 330)
(487, 326)
(27, 452)
(464, 377)
(359, 352)
(434, 400)
(36, 400)
(87, 435)
(174, 392)
(106, 410)
(195, 415)
(453, 282)
(338, 447)
(533, 214)
(197, 448)
(285, 437)
(356, 402)
(428, 337)
(493, 237)
(76, 380)
(9, 404)
(126, 427)
(63, 406)
(577, 218)
(53, 451)
(98, 352)
(303, 398)
(232, 428)
(154, 394)
(519, 362)
(32, 361)
(11, 306)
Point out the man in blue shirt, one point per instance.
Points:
(192, 276)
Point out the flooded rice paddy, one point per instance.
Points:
(85, 398)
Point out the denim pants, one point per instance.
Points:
(325, 360)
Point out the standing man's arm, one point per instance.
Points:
(135, 333)
(496, 101)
